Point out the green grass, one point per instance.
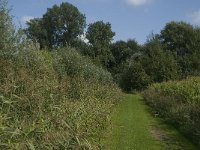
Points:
(134, 128)
(177, 102)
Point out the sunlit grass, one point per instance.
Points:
(135, 128)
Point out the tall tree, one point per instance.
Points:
(182, 39)
(122, 50)
(59, 26)
(37, 32)
(100, 35)
(159, 64)
(177, 37)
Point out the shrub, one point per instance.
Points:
(39, 110)
(56, 100)
(178, 102)
(134, 77)
(7, 32)
(67, 61)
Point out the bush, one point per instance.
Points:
(56, 100)
(68, 62)
(39, 110)
(134, 77)
(7, 32)
(155, 63)
(178, 102)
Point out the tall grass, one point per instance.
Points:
(50, 100)
(67, 61)
(178, 102)
(56, 100)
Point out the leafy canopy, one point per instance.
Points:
(100, 35)
(59, 26)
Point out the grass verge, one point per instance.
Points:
(135, 128)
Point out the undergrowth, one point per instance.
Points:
(178, 102)
(56, 100)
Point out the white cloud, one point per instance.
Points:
(138, 2)
(195, 17)
(26, 18)
(83, 37)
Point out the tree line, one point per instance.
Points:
(172, 54)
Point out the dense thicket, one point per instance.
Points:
(54, 99)
(7, 32)
(47, 103)
(172, 54)
(178, 102)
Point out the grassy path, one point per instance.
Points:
(134, 128)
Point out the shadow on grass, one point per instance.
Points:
(164, 131)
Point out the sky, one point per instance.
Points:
(130, 19)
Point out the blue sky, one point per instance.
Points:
(130, 19)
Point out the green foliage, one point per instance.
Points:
(81, 46)
(7, 32)
(59, 26)
(144, 65)
(37, 33)
(67, 61)
(172, 54)
(100, 36)
(42, 111)
(124, 54)
(122, 50)
(158, 64)
(134, 77)
(178, 102)
(177, 36)
(61, 100)
(50, 100)
(182, 40)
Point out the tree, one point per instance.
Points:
(100, 35)
(119, 50)
(134, 77)
(182, 39)
(177, 37)
(59, 26)
(122, 50)
(37, 32)
(195, 56)
(158, 64)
